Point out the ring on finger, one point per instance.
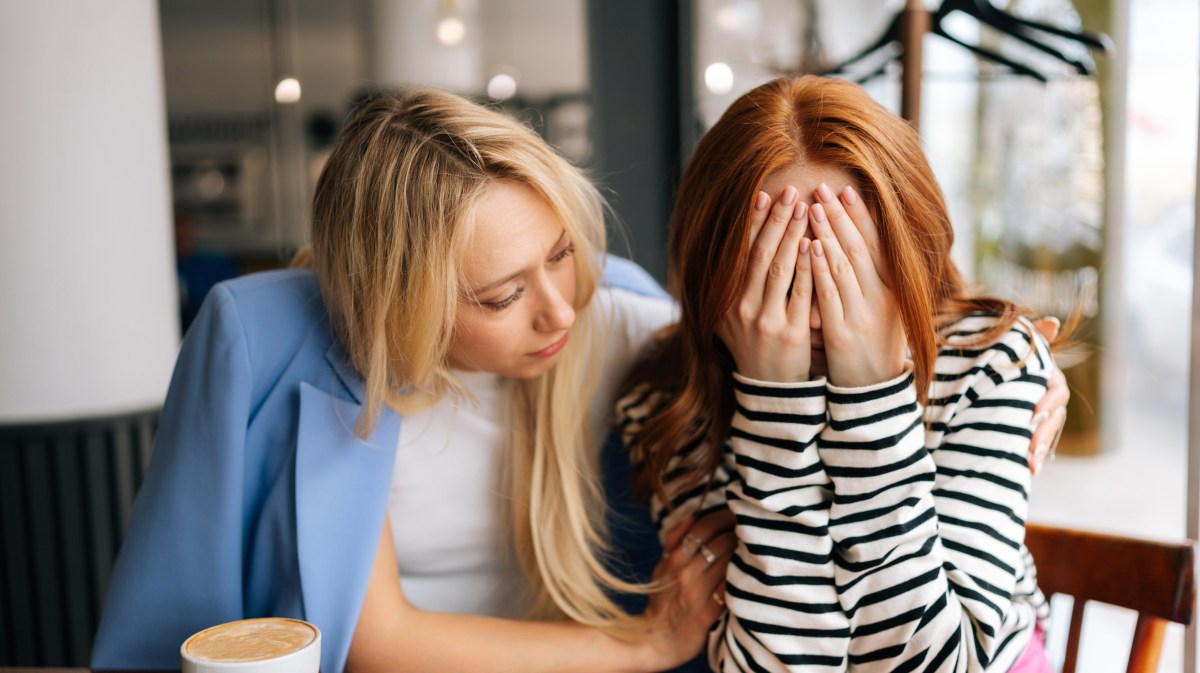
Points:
(708, 554)
(691, 544)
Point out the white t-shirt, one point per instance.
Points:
(454, 550)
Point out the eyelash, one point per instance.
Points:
(566, 252)
(512, 298)
(507, 301)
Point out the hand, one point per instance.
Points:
(860, 319)
(694, 562)
(767, 331)
(1050, 413)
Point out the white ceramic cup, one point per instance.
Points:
(264, 645)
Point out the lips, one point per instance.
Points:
(552, 348)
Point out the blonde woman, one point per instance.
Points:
(397, 442)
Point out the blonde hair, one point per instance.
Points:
(392, 211)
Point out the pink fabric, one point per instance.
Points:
(1033, 659)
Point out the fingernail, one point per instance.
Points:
(1037, 419)
(818, 212)
(1036, 465)
(1056, 321)
(804, 245)
(789, 195)
(850, 195)
(762, 200)
(800, 212)
(824, 193)
(816, 246)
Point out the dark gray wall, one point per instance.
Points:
(639, 55)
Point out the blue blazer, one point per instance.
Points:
(259, 500)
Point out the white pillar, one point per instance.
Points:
(88, 298)
(405, 50)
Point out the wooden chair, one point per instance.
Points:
(1157, 579)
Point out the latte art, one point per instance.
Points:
(250, 640)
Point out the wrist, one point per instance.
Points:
(644, 654)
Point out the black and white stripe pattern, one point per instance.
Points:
(873, 534)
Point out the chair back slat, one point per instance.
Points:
(1147, 644)
(1073, 637)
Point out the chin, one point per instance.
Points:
(533, 370)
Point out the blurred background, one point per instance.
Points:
(152, 149)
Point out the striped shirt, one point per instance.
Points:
(873, 534)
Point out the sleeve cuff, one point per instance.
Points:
(864, 400)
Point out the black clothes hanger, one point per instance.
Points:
(987, 14)
(891, 36)
(1024, 30)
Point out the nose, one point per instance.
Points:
(555, 312)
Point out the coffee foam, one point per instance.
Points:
(250, 640)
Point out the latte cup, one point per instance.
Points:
(264, 645)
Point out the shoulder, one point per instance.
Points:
(1018, 352)
(634, 311)
(275, 314)
(269, 300)
(280, 291)
(626, 275)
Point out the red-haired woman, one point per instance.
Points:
(835, 384)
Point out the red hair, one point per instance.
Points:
(787, 122)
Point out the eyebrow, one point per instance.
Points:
(513, 276)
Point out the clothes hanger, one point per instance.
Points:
(1020, 29)
(1010, 23)
(988, 14)
(891, 36)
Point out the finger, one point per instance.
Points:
(867, 228)
(1048, 327)
(758, 214)
(800, 304)
(723, 545)
(835, 258)
(1045, 439)
(783, 269)
(675, 535)
(762, 250)
(1056, 396)
(718, 594)
(825, 291)
(850, 239)
(1047, 431)
(713, 523)
(690, 534)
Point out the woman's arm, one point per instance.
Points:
(929, 551)
(392, 636)
(929, 537)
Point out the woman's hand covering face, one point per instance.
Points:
(767, 330)
(815, 299)
(860, 318)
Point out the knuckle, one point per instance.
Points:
(828, 294)
(758, 255)
(777, 270)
